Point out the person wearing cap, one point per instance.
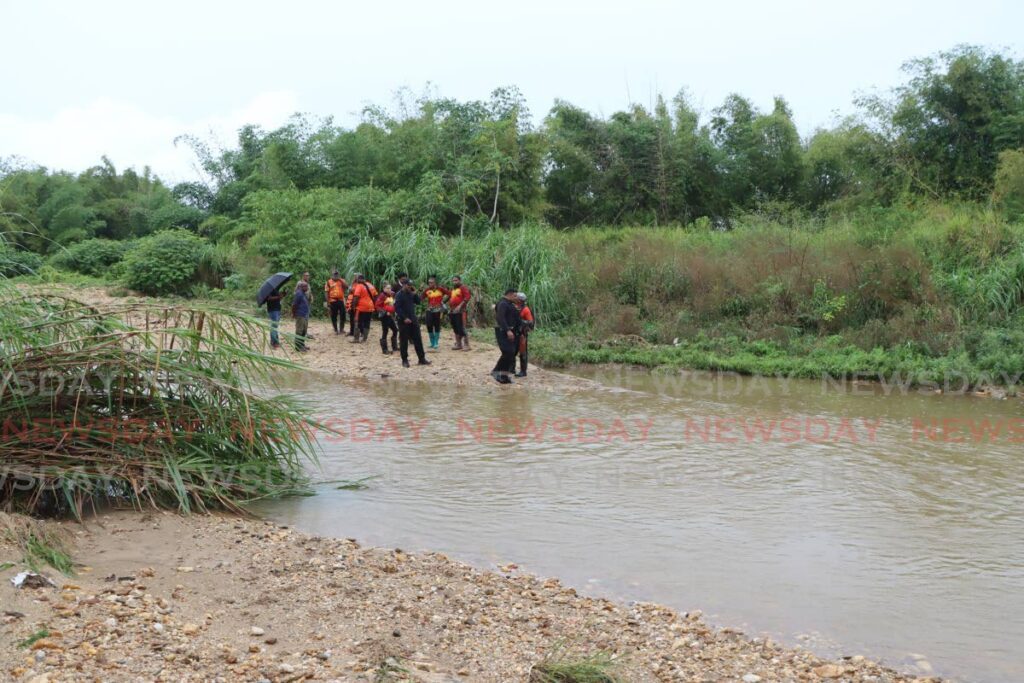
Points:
(526, 326)
(300, 311)
(408, 324)
(506, 333)
(334, 295)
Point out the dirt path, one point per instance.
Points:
(203, 598)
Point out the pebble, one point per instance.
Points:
(751, 678)
(256, 631)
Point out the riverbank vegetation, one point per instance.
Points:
(891, 242)
(142, 404)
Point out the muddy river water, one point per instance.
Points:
(825, 514)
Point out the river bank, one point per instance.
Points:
(158, 596)
(164, 597)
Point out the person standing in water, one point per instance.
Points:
(408, 325)
(526, 326)
(334, 294)
(506, 333)
(458, 298)
(386, 312)
(435, 295)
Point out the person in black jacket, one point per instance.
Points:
(408, 325)
(506, 333)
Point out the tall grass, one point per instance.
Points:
(140, 403)
(531, 258)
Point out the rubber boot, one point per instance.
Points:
(394, 343)
(435, 338)
(458, 344)
(384, 347)
(523, 359)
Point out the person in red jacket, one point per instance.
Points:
(386, 312)
(458, 299)
(526, 326)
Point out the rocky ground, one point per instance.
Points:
(212, 598)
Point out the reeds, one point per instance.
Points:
(142, 404)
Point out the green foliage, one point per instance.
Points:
(92, 257)
(166, 263)
(1008, 193)
(15, 262)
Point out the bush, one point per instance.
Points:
(15, 262)
(92, 257)
(1008, 194)
(165, 263)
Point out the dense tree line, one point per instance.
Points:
(952, 130)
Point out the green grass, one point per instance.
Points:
(560, 667)
(810, 358)
(41, 552)
(32, 639)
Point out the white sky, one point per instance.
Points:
(82, 79)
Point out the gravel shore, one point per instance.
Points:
(216, 598)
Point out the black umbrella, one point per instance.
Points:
(272, 284)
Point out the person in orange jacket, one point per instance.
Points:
(526, 326)
(458, 299)
(363, 295)
(434, 295)
(386, 312)
(334, 295)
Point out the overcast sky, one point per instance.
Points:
(83, 79)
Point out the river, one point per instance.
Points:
(847, 518)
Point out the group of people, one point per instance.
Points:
(397, 307)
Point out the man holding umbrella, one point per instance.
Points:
(270, 295)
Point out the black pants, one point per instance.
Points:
(364, 320)
(458, 323)
(338, 316)
(410, 332)
(351, 322)
(387, 324)
(524, 353)
(509, 348)
(433, 321)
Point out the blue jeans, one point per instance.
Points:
(275, 322)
